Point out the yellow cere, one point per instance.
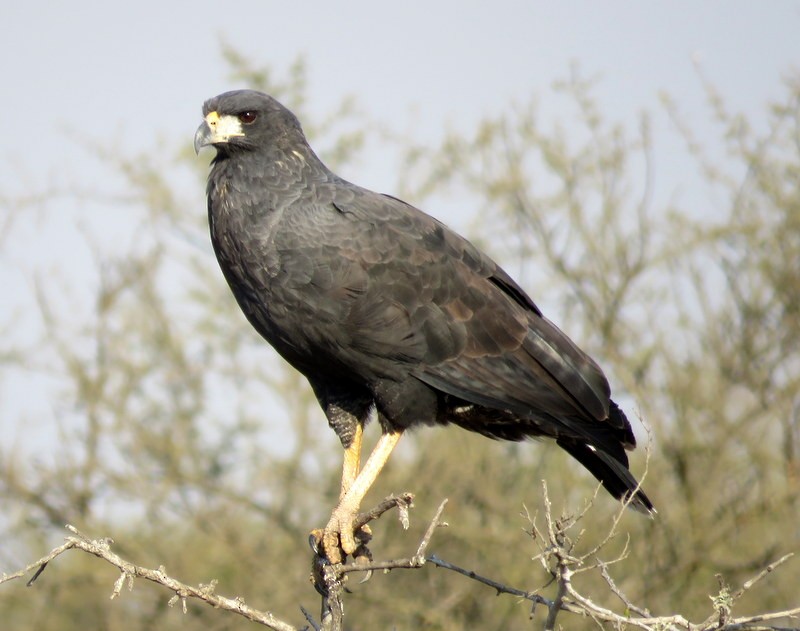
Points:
(223, 128)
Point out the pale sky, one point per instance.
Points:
(129, 74)
(136, 70)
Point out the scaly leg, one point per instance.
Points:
(351, 465)
(339, 531)
(352, 461)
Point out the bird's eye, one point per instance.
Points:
(247, 117)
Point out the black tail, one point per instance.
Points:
(613, 474)
(601, 448)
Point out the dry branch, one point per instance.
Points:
(334, 576)
(101, 548)
(558, 556)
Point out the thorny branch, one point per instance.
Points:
(559, 558)
(558, 555)
(500, 588)
(418, 560)
(334, 575)
(128, 571)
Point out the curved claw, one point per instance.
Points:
(318, 564)
(362, 554)
(315, 541)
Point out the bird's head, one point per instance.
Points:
(242, 120)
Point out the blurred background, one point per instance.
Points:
(635, 166)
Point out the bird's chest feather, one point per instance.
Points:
(289, 283)
(243, 238)
(322, 286)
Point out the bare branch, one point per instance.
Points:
(403, 502)
(416, 561)
(310, 619)
(101, 548)
(625, 600)
(555, 543)
(500, 588)
(329, 579)
(41, 564)
(748, 584)
(559, 558)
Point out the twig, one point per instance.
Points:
(41, 564)
(558, 558)
(625, 600)
(403, 502)
(101, 548)
(560, 548)
(747, 622)
(333, 575)
(748, 584)
(310, 619)
(417, 561)
(500, 588)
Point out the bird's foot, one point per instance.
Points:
(341, 539)
(334, 543)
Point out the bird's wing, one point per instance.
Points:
(470, 329)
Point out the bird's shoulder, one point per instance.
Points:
(389, 233)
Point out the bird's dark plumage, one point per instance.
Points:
(380, 305)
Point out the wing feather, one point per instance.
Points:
(476, 333)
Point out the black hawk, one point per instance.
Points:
(384, 308)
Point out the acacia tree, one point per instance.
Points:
(180, 434)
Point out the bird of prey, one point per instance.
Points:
(384, 309)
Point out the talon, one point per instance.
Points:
(315, 538)
(362, 555)
(318, 564)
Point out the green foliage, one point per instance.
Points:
(182, 436)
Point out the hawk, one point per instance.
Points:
(388, 312)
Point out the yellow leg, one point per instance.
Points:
(339, 531)
(352, 462)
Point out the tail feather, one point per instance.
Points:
(613, 475)
(600, 446)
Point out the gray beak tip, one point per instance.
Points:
(202, 137)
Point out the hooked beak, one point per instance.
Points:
(202, 137)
